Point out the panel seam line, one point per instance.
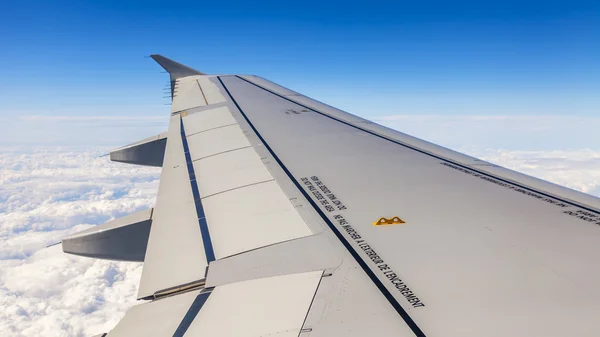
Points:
(202, 91)
(311, 303)
(216, 127)
(237, 188)
(216, 154)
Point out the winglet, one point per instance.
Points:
(176, 70)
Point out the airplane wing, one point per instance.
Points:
(278, 215)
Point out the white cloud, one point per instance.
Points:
(47, 193)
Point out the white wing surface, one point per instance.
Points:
(278, 215)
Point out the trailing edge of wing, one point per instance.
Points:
(175, 69)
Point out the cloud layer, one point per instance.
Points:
(47, 193)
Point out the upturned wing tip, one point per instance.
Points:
(175, 69)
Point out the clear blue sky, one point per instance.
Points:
(370, 58)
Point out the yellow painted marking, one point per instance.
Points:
(393, 221)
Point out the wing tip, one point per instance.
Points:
(175, 69)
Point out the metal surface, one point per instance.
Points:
(251, 217)
(175, 69)
(148, 152)
(273, 306)
(123, 239)
(216, 141)
(471, 247)
(207, 119)
(304, 236)
(230, 170)
(157, 318)
(187, 94)
(175, 253)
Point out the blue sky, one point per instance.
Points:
(451, 58)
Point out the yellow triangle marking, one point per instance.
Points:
(384, 221)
